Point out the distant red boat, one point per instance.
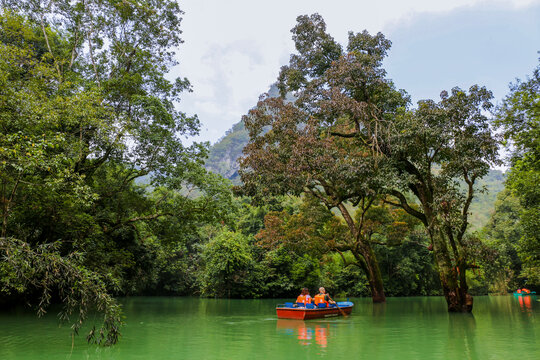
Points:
(287, 311)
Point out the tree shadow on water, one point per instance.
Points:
(379, 310)
(462, 335)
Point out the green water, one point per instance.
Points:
(192, 328)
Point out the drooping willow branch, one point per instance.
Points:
(81, 291)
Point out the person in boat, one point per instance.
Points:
(304, 298)
(322, 299)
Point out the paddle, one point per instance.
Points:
(340, 309)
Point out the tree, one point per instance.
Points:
(430, 149)
(294, 243)
(313, 231)
(519, 118)
(309, 145)
(407, 267)
(35, 108)
(34, 163)
(503, 233)
(120, 52)
(306, 231)
(227, 259)
(87, 114)
(43, 270)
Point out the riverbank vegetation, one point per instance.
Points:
(344, 183)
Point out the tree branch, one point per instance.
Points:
(74, 53)
(465, 212)
(405, 206)
(351, 135)
(48, 45)
(91, 50)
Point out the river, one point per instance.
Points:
(501, 327)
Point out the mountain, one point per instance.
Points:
(224, 154)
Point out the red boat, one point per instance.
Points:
(288, 311)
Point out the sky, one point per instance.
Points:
(233, 49)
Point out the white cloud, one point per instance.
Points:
(233, 49)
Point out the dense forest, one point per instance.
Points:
(333, 178)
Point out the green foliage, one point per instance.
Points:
(408, 269)
(519, 117)
(293, 239)
(321, 143)
(226, 260)
(503, 233)
(34, 149)
(483, 203)
(250, 219)
(431, 150)
(86, 110)
(44, 270)
(305, 270)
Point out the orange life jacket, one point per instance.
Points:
(319, 299)
(303, 299)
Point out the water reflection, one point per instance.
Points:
(462, 334)
(306, 333)
(525, 302)
(192, 328)
(379, 310)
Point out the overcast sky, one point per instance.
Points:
(233, 49)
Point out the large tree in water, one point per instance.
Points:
(437, 153)
(325, 141)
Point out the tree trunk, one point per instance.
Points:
(453, 279)
(374, 276)
(365, 257)
(457, 298)
(5, 211)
